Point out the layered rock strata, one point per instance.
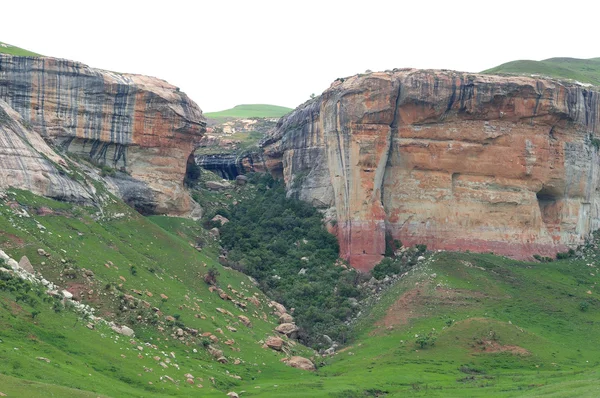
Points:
(27, 162)
(137, 124)
(456, 161)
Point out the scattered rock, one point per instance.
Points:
(245, 320)
(26, 264)
(300, 363)
(275, 343)
(124, 330)
(217, 186)
(286, 318)
(241, 180)
(43, 359)
(289, 329)
(220, 218)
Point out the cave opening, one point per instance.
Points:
(192, 171)
(549, 202)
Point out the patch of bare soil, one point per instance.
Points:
(422, 300)
(11, 241)
(491, 347)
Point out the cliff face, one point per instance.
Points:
(452, 160)
(28, 163)
(138, 124)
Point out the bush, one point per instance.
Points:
(426, 340)
(387, 266)
(584, 306)
(211, 276)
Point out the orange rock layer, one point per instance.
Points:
(139, 124)
(452, 160)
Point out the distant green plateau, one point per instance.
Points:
(249, 111)
(6, 48)
(582, 70)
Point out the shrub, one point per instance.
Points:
(421, 248)
(211, 276)
(584, 306)
(425, 340)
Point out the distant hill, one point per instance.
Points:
(6, 48)
(582, 70)
(250, 110)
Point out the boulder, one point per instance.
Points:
(220, 218)
(280, 308)
(286, 318)
(124, 330)
(289, 329)
(66, 294)
(275, 343)
(217, 185)
(241, 180)
(300, 363)
(245, 320)
(4, 256)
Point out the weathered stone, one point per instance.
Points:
(286, 318)
(124, 330)
(456, 161)
(220, 218)
(289, 329)
(245, 320)
(26, 264)
(140, 124)
(300, 363)
(241, 180)
(275, 343)
(217, 185)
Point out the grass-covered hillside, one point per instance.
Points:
(582, 70)
(445, 325)
(144, 273)
(250, 111)
(6, 48)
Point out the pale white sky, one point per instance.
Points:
(226, 52)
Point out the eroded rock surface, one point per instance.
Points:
(138, 124)
(27, 162)
(452, 160)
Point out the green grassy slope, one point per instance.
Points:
(250, 111)
(504, 328)
(6, 48)
(582, 70)
(83, 360)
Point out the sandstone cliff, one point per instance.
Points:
(28, 163)
(138, 124)
(452, 160)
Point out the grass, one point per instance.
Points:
(99, 360)
(12, 50)
(504, 328)
(250, 111)
(582, 70)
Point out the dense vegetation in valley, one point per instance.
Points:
(581, 70)
(283, 243)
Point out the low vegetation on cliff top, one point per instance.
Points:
(250, 111)
(581, 70)
(6, 48)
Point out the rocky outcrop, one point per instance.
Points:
(28, 163)
(452, 160)
(137, 124)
